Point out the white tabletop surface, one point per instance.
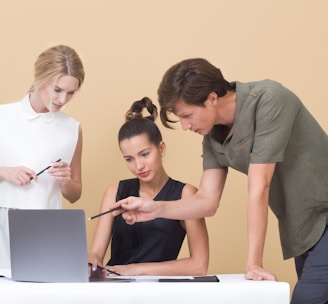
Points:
(232, 289)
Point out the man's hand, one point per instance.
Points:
(257, 273)
(136, 209)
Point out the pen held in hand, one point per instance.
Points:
(103, 213)
(58, 160)
(109, 271)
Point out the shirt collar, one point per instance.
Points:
(30, 114)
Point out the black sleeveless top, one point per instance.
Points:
(153, 241)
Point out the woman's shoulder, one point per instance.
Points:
(111, 189)
(127, 187)
(187, 189)
(9, 106)
(129, 181)
(67, 118)
(10, 112)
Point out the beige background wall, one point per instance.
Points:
(126, 47)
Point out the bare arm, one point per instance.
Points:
(202, 204)
(259, 180)
(195, 264)
(69, 176)
(103, 232)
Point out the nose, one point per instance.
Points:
(63, 98)
(185, 124)
(139, 164)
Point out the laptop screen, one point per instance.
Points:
(48, 245)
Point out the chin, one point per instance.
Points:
(205, 133)
(202, 132)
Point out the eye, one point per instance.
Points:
(145, 154)
(128, 159)
(58, 90)
(185, 116)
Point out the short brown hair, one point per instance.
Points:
(190, 80)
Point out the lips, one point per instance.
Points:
(56, 106)
(144, 174)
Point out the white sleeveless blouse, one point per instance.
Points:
(34, 140)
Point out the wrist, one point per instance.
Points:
(139, 270)
(159, 210)
(253, 265)
(2, 174)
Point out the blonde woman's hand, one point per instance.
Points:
(17, 175)
(61, 171)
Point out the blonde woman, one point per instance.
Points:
(34, 134)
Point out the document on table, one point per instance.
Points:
(163, 279)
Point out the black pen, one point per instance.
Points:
(100, 214)
(103, 268)
(58, 160)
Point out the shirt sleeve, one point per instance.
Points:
(275, 114)
(209, 158)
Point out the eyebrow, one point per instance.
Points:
(140, 152)
(183, 114)
(59, 88)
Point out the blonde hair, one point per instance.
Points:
(57, 61)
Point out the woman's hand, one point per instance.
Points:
(93, 266)
(126, 270)
(61, 171)
(17, 175)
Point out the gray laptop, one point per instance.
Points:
(48, 245)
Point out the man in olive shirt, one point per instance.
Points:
(263, 130)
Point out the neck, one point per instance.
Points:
(227, 109)
(152, 188)
(36, 104)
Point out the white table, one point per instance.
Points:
(232, 289)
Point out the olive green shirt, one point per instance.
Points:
(273, 126)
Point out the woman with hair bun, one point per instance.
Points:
(148, 248)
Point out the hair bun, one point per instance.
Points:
(136, 110)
